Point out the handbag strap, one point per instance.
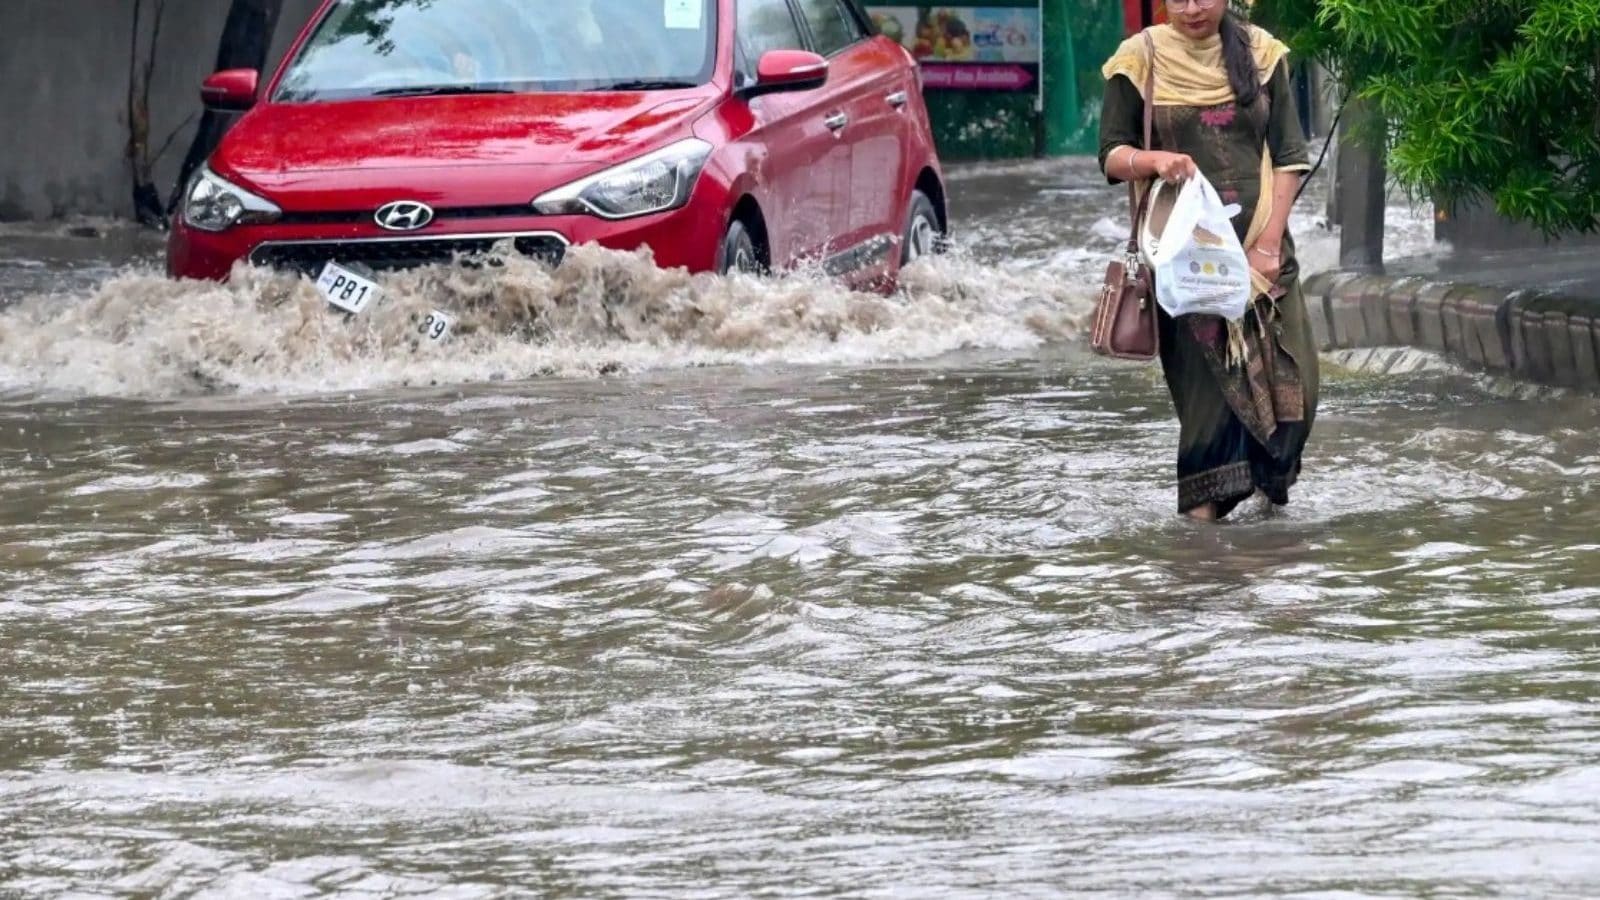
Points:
(1136, 203)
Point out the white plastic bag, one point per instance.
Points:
(1198, 263)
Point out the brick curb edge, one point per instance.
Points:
(1548, 338)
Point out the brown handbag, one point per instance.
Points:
(1125, 324)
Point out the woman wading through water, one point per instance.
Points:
(1245, 393)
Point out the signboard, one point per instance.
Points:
(968, 48)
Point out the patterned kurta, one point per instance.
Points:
(1242, 427)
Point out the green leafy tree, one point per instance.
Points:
(1482, 98)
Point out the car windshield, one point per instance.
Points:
(374, 48)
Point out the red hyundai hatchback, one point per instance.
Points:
(722, 134)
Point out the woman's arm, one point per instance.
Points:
(1284, 188)
(1121, 123)
(1122, 155)
(1290, 161)
(1132, 164)
(1266, 254)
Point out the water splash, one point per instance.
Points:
(142, 335)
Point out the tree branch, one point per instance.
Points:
(166, 145)
(133, 70)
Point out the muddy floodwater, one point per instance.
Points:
(650, 586)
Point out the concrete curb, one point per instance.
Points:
(1547, 338)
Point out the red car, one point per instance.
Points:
(722, 134)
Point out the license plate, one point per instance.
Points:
(436, 326)
(345, 289)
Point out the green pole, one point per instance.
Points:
(1063, 111)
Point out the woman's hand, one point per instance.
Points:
(1175, 167)
(1266, 259)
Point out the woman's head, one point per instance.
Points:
(1200, 20)
(1197, 19)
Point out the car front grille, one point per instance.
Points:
(389, 254)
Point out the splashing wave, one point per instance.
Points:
(142, 335)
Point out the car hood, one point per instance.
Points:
(475, 130)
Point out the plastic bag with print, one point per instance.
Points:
(1198, 262)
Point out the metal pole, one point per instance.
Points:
(1038, 101)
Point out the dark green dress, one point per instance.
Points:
(1243, 426)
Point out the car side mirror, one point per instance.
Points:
(231, 90)
(788, 70)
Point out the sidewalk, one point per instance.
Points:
(1533, 314)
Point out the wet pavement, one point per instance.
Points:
(763, 590)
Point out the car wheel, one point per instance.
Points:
(738, 252)
(922, 236)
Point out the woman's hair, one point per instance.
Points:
(1239, 58)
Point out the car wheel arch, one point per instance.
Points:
(929, 183)
(748, 211)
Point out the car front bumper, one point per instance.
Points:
(682, 238)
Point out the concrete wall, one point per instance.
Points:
(64, 107)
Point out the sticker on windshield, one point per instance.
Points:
(684, 14)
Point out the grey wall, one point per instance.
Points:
(64, 71)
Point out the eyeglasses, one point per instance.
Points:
(1180, 5)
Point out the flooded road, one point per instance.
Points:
(765, 590)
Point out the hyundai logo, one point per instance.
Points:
(404, 215)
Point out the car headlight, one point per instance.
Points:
(214, 204)
(654, 183)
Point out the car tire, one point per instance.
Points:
(738, 253)
(923, 236)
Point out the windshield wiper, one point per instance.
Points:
(438, 90)
(644, 84)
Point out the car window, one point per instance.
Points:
(365, 48)
(766, 25)
(832, 27)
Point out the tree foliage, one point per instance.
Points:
(1483, 98)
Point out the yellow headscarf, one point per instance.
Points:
(1192, 73)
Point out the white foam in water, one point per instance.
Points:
(142, 335)
(139, 334)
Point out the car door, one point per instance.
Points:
(834, 34)
(800, 159)
(881, 155)
(879, 79)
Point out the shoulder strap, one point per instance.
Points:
(1136, 203)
